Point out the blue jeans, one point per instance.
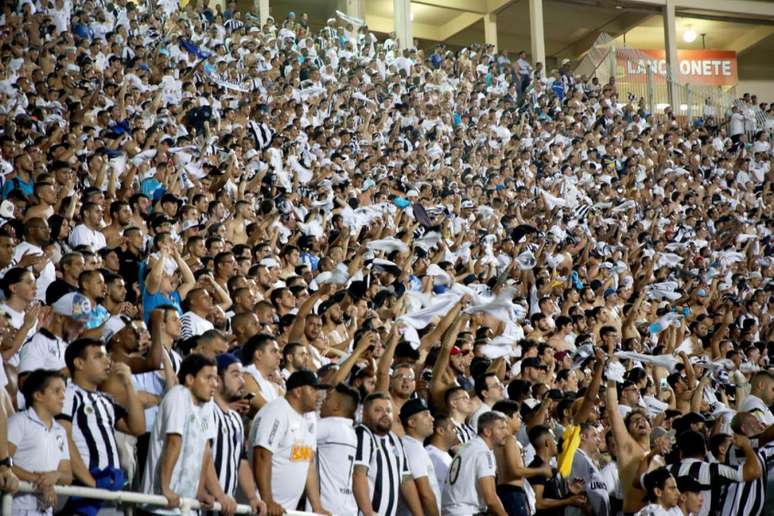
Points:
(514, 500)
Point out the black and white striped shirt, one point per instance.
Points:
(228, 448)
(719, 476)
(385, 459)
(93, 416)
(233, 24)
(748, 498)
(464, 432)
(262, 134)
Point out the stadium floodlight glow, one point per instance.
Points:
(689, 36)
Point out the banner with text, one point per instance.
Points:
(700, 67)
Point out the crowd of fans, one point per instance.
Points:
(321, 271)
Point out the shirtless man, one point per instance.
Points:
(120, 216)
(236, 228)
(511, 471)
(632, 438)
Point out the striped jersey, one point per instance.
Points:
(93, 416)
(385, 459)
(464, 432)
(193, 325)
(228, 448)
(718, 476)
(748, 498)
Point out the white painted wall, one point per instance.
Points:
(763, 89)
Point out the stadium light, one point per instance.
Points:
(689, 36)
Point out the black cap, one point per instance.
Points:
(411, 407)
(532, 362)
(690, 484)
(303, 378)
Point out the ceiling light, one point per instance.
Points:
(689, 36)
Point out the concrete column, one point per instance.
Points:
(536, 34)
(490, 30)
(670, 48)
(402, 10)
(354, 8)
(263, 10)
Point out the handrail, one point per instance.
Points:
(126, 497)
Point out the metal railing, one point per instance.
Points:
(604, 60)
(187, 505)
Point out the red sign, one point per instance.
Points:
(702, 67)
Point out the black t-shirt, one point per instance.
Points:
(551, 488)
(56, 289)
(129, 267)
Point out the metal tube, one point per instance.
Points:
(126, 497)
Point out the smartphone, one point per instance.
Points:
(248, 396)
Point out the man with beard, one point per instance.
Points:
(120, 216)
(282, 446)
(381, 473)
(115, 298)
(228, 450)
(471, 483)
(632, 437)
(295, 357)
(400, 379)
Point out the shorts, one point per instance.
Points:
(514, 499)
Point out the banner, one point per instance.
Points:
(699, 67)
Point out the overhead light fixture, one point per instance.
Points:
(689, 36)
(619, 7)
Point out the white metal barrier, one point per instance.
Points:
(126, 497)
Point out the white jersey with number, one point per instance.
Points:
(290, 437)
(460, 496)
(336, 446)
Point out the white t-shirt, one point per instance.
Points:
(16, 320)
(82, 235)
(291, 438)
(473, 419)
(655, 509)
(420, 465)
(47, 275)
(268, 389)
(43, 350)
(195, 424)
(38, 448)
(759, 409)
(192, 325)
(596, 486)
(441, 462)
(336, 445)
(460, 496)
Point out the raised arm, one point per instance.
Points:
(614, 416)
(385, 361)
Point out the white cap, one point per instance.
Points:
(113, 325)
(74, 305)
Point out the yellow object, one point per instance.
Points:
(570, 443)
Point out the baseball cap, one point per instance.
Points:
(304, 378)
(411, 407)
(690, 484)
(189, 224)
(114, 325)
(74, 305)
(226, 359)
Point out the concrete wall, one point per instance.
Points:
(762, 88)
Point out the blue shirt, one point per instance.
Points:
(16, 183)
(151, 301)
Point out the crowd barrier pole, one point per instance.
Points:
(125, 497)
